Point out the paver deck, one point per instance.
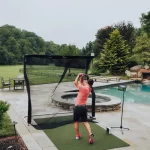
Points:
(136, 118)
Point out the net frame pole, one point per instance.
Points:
(28, 92)
(93, 103)
(93, 100)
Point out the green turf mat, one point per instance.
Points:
(61, 132)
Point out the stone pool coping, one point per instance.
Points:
(114, 104)
(111, 100)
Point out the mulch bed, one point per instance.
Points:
(12, 143)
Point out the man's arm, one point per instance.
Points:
(82, 79)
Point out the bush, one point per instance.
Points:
(94, 67)
(4, 106)
(131, 63)
(95, 72)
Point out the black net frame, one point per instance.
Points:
(67, 61)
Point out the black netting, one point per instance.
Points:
(40, 71)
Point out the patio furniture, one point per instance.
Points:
(99, 78)
(136, 79)
(5, 83)
(18, 82)
(114, 78)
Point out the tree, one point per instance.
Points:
(51, 48)
(115, 53)
(68, 50)
(145, 22)
(15, 43)
(101, 37)
(142, 49)
(138, 32)
(127, 32)
(86, 51)
(13, 47)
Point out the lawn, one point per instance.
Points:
(43, 74)
(39, 74)
(10, 71)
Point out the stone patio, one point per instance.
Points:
(136, 118)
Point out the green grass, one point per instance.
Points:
(62, 134)
(49, 74)
(38, 74)
(6, 127)
(10, 71)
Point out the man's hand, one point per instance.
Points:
(82, 79)
(81, 74)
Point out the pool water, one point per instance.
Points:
(135, 93)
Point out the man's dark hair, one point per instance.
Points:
(90, 82)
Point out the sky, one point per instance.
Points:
(70, 21)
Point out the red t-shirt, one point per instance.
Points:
(84, 91)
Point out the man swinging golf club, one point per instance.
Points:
(80, 110)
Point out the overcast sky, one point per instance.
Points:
(70, 21)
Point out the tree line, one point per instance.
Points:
(116, 46)
(120, 46)
(15, 43)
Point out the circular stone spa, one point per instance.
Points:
(66, 100)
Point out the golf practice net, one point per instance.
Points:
(43, 74)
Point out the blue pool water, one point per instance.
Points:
(135, 93)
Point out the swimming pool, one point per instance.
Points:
(135, 93)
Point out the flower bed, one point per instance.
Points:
(12, 143)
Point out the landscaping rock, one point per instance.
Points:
(136, 68)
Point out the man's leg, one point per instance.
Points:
(87, 125)
(76, 123)
(84, 120)
(90, 136)
(76, 126)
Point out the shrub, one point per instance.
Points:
(94, 67)
(4, 106)
(131, 63)
(115, 54)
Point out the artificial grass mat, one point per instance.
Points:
(61, 132)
